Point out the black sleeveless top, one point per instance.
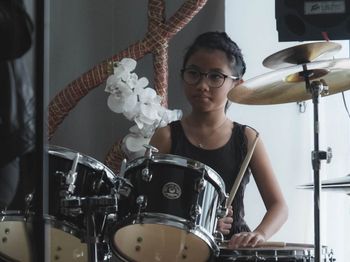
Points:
(226, 161)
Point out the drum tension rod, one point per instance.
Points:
(145, 173)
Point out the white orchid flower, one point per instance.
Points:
(115, 84)
(149, 104)
(133, 98)
(135, 83)
(146, 132)
(124, 67)
(134, 142)
(170, 116)
(133, 145)
(117, 100)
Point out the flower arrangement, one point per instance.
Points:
(132, 97)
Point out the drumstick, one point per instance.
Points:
(241, 172)
(263, 244)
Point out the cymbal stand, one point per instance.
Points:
(316, 88)
(91, 237)
(91, 207)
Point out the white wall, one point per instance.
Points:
(288, 135)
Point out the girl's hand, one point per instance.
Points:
(246, 239)
(225, 224)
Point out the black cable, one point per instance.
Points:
(345, 105)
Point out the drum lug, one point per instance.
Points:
(146, 174)
(141, 202)
(221, 212)
(28, 200)
(68, 183)
(112, 218)
(219, 238)
(199, 185)
(195, 211)
(149, 151)
(72, 175)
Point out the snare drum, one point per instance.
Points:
(288, 253)
(66, 219)
(171, 212)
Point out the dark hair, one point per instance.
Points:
(218, 41)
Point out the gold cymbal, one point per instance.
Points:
(341, 184)
(300, 54)
(287, 84)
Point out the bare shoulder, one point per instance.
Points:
(250, 133)
(255, 144)
(161, 139)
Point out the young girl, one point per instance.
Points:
(212, 66)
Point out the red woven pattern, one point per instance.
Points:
(115, 156)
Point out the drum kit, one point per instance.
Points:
(163, 207)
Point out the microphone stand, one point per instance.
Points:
(316, 88)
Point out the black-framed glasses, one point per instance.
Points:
(215, 79)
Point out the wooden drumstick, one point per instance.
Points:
(241, 172)
(267, 244)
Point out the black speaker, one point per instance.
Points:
(302, 20)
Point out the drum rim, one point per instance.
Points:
(217, 180)
(296, 251)
(86, 160)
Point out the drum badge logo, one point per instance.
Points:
(171, 190)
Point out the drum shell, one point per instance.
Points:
(93, 179)
(181, 173)
(181, 193)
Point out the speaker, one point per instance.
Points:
(302, 20)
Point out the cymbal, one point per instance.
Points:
(340, 184)
(288, 85)
(300, 54)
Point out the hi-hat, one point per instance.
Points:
(300, 54)
(340, 184)
(288, 84)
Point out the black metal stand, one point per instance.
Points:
(41, 185)
(315, 88)
(93, 208)
(91, 236)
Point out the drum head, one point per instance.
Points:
(16, 233)
(155, 242)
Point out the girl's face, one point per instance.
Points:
(202, 96)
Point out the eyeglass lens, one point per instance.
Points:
(193, 77)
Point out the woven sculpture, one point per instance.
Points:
(156, 40)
